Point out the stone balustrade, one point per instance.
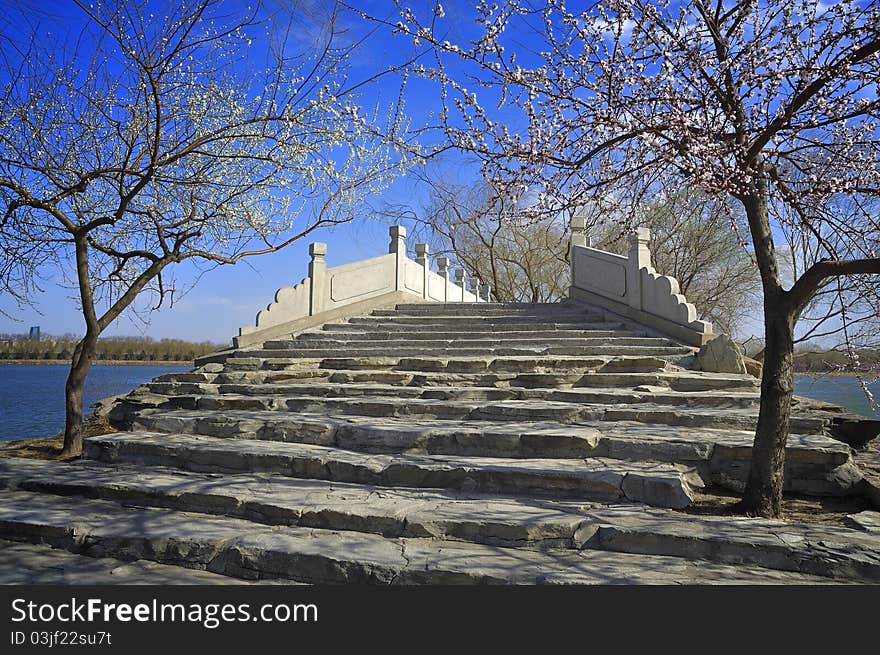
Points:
(629, 286)
(330, 293)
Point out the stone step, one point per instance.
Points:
(279, 500)
(492, 322)
(38, 564)
(815, 464)
(243, 549)
(513, 521)
(826, 550)
(681, 381)
(482, 309)
(456, 350)
(500, 337)
(561, 411)
(478, 438)
(480, 313)
(510, 364)
(346, 389)
(251, 361)
(487, 345)
(377, 326)
(653, 483)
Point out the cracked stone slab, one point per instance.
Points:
(309, 503)
(652, 482)
(869, 521)
(245, 550)
(814, 549)
(493, 410)
(36, 564)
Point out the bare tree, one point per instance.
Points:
(770, 103)
(521, 259)
(525, 258)
(130, 142)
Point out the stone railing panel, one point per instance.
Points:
(381, 279)
(630, 285)
(600, 271)
(361, 280)
(290, 304)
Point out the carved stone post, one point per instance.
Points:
(318, 275)
(398, 247)
(639, 257)
(474, 287)
(578, 238)
(422, 260)
(486, 292)
(579, 231)
(460, 282)
(443, 271)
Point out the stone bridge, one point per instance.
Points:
(383, 422)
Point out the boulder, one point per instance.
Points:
(753, 367)
(721, 355)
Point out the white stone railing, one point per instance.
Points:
(392, 277)
(630, 286)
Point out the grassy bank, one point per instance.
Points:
(50, 447)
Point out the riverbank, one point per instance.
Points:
(49, 448)
(868, 375)
(101, 362)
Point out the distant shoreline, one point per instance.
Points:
(836, 374)
(102, 362)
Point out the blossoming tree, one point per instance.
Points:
(770, 103)
(130, 142)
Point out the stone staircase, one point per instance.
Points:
(442, 443)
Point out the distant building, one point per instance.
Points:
(34, 333)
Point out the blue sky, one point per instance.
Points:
(228, 297)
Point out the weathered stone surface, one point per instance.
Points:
(820, 550)
(577, 478)
(239, 549)
(441, 444)
(869, 521)
(753, 367)
(34, 564)
(721, 355)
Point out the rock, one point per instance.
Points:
(721, 355)
(103, 406)
(212, 367)
(854, 430)
(753, 367)
(868, 521)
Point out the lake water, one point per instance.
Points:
(843, 391)
(32, 397)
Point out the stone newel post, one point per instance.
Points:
(318, 275)
(639, 257)
(474, 287)
(398, 247)
(443, 271)
(578, 238)
(422, 260)
(579, 231)
(460, 281)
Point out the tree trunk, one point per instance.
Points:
(763, 493)
(73, 395)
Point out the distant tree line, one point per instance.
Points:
(822, 361)
(17, 346)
